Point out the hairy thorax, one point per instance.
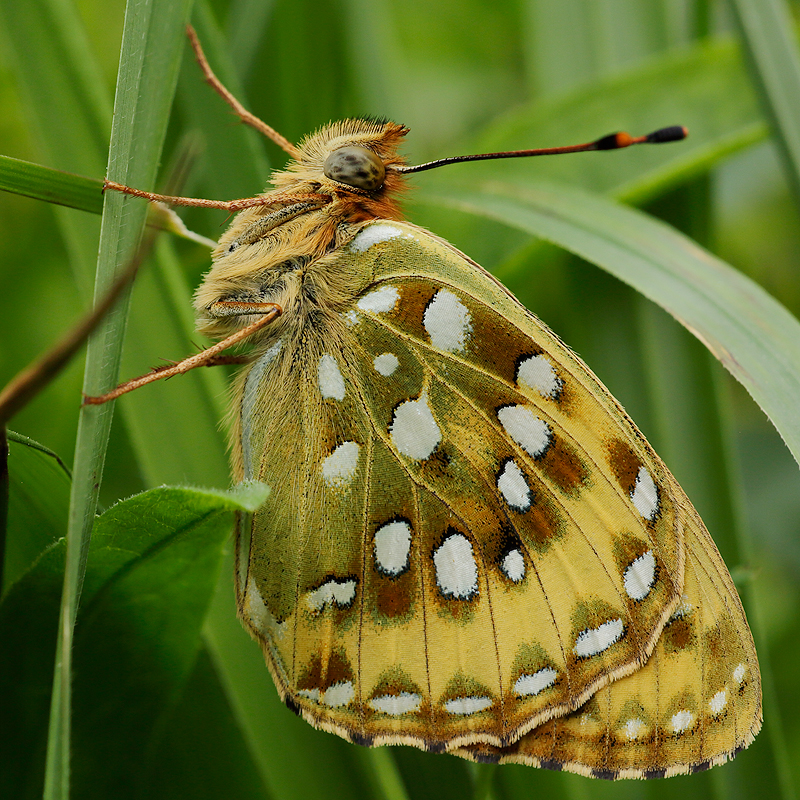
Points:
(283, 251)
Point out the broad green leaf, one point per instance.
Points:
(38, 504)
(152, 569)
(28, 629)
(154, 563)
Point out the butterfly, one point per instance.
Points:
(469, 546)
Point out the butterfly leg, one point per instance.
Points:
(225, 205)
(207, 358)
(244, 115)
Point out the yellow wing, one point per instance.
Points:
(467, 536)
(695, 704)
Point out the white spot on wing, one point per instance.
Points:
(683, 610)
(396, 704)
(513, 486)
(339, 467)
(639, 576)
(372, 235)
(340, 694)
(392, 543)
(331, 382)
(456, 570)
(525, 428)
(718, 702)
(595, 640)
(310, 694)
(738, 673)
(351, 318)
(386, 363)
(340, 593)
(380, 301)
(413, 430)
(645, 495)
(528, 685)
(252, 391)
(682, 721)
(468, 705)
(537, 373)
(447, 322)
(258, 613)
(634, 728)
(513, 565)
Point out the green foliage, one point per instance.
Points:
(153, 565)
(169, 696)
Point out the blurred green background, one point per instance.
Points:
(465, 76)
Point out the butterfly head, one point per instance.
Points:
(353, 159)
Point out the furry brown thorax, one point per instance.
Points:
(267, 253)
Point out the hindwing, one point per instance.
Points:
(467, 536)
(694, 704)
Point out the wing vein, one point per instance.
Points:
(415, 343)
(363, 582)
(553, 496)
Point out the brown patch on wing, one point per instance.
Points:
(543, 524)
(678, 634)
(563, 465)
(394, 596)
(624, 463)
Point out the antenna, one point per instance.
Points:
(614, 141)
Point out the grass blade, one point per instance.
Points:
(767, 31)
(150, 58)
(51, 185)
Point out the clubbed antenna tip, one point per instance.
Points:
(614, 141)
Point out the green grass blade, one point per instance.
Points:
(247, 24)
(63, 102)
(382, 774)
(770, 38)
(65, 105)
(75, 191)
(604, 36)
(51, 185)
(780, 774)
(484, 776)
(202, 754)
(373, 51)
(149, 62)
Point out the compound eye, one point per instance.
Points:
(355, 166)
